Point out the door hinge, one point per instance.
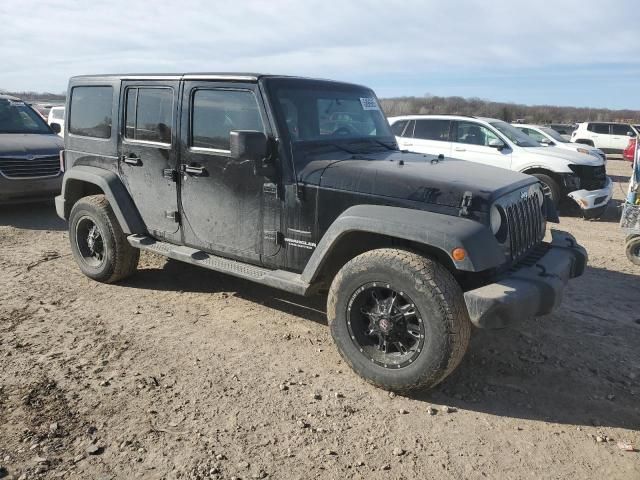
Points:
(170, 174)
(173, 215)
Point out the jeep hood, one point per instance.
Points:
(414, 177)
(20, 144)
(566, 155)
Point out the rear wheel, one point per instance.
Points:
(549, 187)
(98, 245)
(632, 249)
(398, 319)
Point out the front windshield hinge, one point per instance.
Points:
(466, 203)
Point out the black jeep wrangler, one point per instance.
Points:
(299, 184)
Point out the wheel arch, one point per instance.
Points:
(81, 181)
(366, 227)
(585, 141)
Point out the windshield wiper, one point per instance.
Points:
(385, 145)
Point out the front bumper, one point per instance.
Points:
(29, 189)
(590, 199)
(531, 290)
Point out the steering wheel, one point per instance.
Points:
(343, 131)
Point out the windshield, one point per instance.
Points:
(327, 112)
(516, 136)
(553, 134)
(17, 117)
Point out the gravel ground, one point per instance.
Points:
(184, 373)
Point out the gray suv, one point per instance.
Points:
(29, 154)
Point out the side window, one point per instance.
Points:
(149, 114)
(537, 136)
(398, 127)
(432, 130)
(215, 113)
(618, 129)
(602, 128)
(408, 132)
(474, 134)
(90, 111)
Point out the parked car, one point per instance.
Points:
(607, 136)
(29, 154)
(564, 129)
(548, 137)
(236, 173)
(630, 151)
(579, 176)
(56, 115)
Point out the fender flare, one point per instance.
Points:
(444, 232)
(119, 199)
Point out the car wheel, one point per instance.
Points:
(632, 249)
(398, 319)
(98, 245)
(549, 187)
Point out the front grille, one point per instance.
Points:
(48, 166)
(526, 225)
(591, 178)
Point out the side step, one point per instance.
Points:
(280, 279)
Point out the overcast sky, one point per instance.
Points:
(582, 52)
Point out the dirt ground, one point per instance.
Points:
(185, 373)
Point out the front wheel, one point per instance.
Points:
(549, 187)
(98, 245)
(398, 319)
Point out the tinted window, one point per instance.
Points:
(17, 117)
(216, 112)
(600, 128)
(617, 129)
(398, 127)
(90, 114)
(432, 130)
(149, 115)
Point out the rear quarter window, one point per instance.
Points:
(90, 112)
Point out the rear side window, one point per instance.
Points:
(432, 130)
(398, 127)
(149, 114)
(602, 128)
(215, 113)
(90, 113)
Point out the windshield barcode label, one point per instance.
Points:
(369, 103)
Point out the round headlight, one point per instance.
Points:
(496, 219)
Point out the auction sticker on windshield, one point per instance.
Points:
(369, 103)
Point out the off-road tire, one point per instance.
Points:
(438, 298)
(632, 249)
(120, 258)
(553, 186)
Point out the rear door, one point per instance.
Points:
(600, 134)
(148, 153)
(226, 208)
(432, 136)
(471, 142)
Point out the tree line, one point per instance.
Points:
(509, 112)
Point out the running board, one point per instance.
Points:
(280, 279)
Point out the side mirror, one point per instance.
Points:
(56, 128)
(631, 134)
(252, 146)
(497, 144)
(546, 142)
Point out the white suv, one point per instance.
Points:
(548, 137)
(607, 136)
(580, 176)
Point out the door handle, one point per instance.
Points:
(407, 144)
(460, 149)
(132, 160)
(193, 170)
